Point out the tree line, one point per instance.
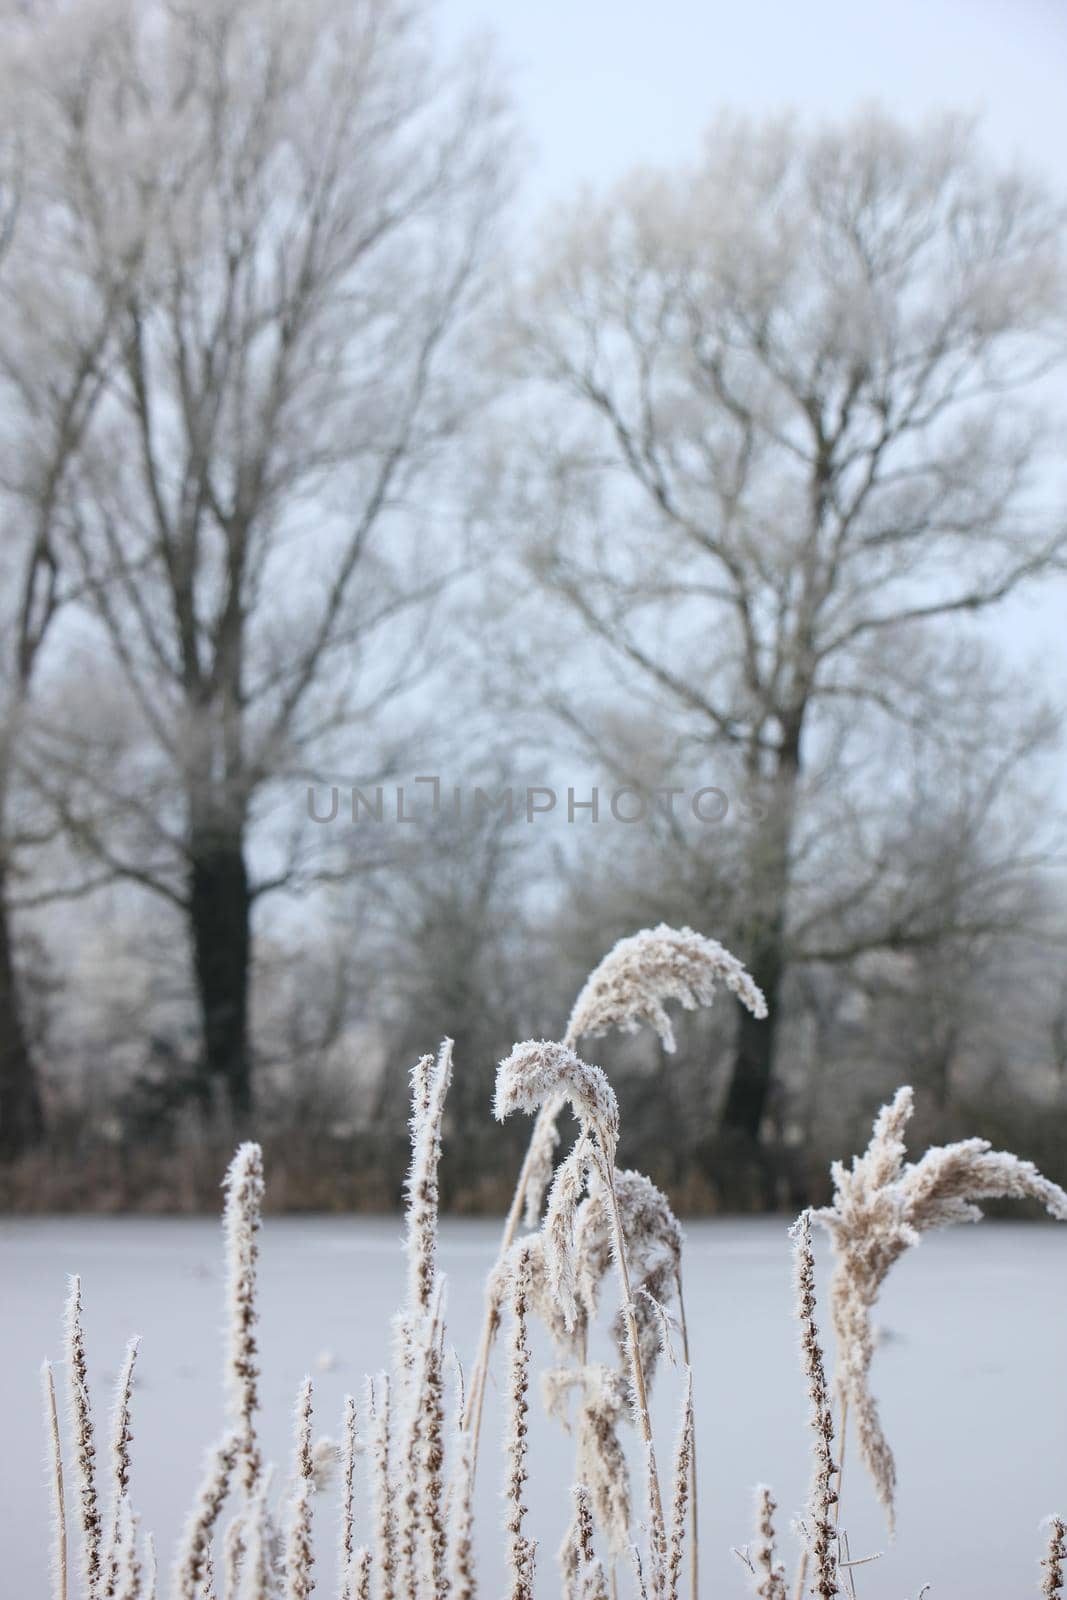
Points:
(310, 475)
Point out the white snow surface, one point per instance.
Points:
(972, 1378)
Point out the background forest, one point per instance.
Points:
(327, 465)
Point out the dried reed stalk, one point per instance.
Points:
(241, 1222)
(299, 1557)
(385, 1530)
(819, 1530)
(121, 1439)
(461, 1574)
(195, 1546)
(55, 1478)
(768, 1570)
(521, 1551)
(682, 1480)
(258, 1570)
(81, 1425)
(431, 1080)
(348, 1500)
(1052, 1582)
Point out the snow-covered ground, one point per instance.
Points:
(972, 1378)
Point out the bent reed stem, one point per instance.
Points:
(694, 1514)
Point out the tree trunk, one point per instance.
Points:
(220, 909)
(754, 1051)
(765, 948)
(21, 1110)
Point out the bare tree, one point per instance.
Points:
(308, 198)
(57, 319)
(791, 414)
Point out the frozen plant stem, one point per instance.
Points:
(59, 1507)
(472, 1416)
(841, 1456)
(121, 1439)
(694, 1512)
(244, 1199)
(520, 1548)
(821, 1535)
(84, 1446)
(1052, 1581)
(637, 1373)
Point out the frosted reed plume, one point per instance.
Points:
(767, 1569)
(881, 1207)
(819, 1529)
(55, 1478)
(241, 1221)
(81, 1428)
(637, 978)
(533, 1073)
(653, 1240)
(121, 1439)
(195, 1548)
(631, 986)
(540, 1070)
(298, 1553)
(600, 1464)
(559, 1230)
(521, 1553)
(632, 983)
(536, 1173)
(1052, 1565)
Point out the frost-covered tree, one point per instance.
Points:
(790, 406)
(287, 208)
(58, 317)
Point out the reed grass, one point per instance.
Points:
(414, 1539)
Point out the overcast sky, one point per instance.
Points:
(603, 85)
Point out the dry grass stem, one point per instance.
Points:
(241, 1222)
(521, 1554)
(348, 1499)
(84, 1447)
(681, 1477)
(1052, 1565)
(299, 1557)
(121, 1439)
(196, 1543)
(55, 1478)
(820, 1532)
(767, 1569)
